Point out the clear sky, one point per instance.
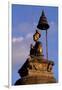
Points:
(24, 22)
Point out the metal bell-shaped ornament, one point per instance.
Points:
(43, 24)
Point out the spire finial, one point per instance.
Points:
(43, 14)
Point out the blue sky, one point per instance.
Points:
(24, 21)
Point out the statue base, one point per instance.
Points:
(36, 72)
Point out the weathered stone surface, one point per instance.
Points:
(35, 72)
(39, 73)
(36, 65)
(35, 80)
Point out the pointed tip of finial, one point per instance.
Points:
(43, 14)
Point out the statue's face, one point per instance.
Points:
(36, 37)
